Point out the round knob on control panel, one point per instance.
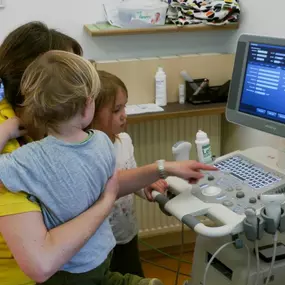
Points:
(211, 191)
(211, 178)
(228, 203)
(252, 200)
(238, 188)
(230, 189)
(240, 194)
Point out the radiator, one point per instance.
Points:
(153, 140)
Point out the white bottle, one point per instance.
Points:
(181, 93)
(160, 88)
(203, 147)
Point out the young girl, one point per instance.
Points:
(110, 117)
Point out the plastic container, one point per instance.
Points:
(136, 13)
(203, 147)
(181, 93)
(160, 88)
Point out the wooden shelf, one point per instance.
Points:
(104, 29)
(176, 110)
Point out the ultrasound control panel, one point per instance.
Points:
(238, 184)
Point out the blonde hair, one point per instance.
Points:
(56, 87)
(94, 63)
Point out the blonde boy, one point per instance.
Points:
(67, 170)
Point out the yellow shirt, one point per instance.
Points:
(10, 203)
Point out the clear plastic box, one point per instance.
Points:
(138, 13)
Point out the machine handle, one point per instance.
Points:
(203, 230)
(190, 220)
(161, 200)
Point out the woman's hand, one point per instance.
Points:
(12, 128)
(159, 186)
(189, 170)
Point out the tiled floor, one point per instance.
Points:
(167, 276)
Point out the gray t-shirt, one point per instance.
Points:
(67, 178)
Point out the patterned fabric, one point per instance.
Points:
(211, 12)
(122, 218)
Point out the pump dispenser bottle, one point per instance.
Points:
(160, 88)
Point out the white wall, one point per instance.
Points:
(69, 16)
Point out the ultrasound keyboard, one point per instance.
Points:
(248, 172)
(238, 184)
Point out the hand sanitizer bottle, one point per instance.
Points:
(203, 147)
(160, 88)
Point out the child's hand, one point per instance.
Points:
(112, 187)
(159, 186)
(12, 128)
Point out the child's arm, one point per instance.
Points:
(146, 175)
(143, 193)
(16, 169)
(10, 129)
(133, 164)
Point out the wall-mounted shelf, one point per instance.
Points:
(104, 29)
(176, 110)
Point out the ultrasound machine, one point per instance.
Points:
(245, 197)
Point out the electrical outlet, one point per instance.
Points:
(2, 4)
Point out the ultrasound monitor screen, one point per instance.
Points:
(263, 92)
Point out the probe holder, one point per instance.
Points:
(253, 233)
(270, 226)
(208, 94)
